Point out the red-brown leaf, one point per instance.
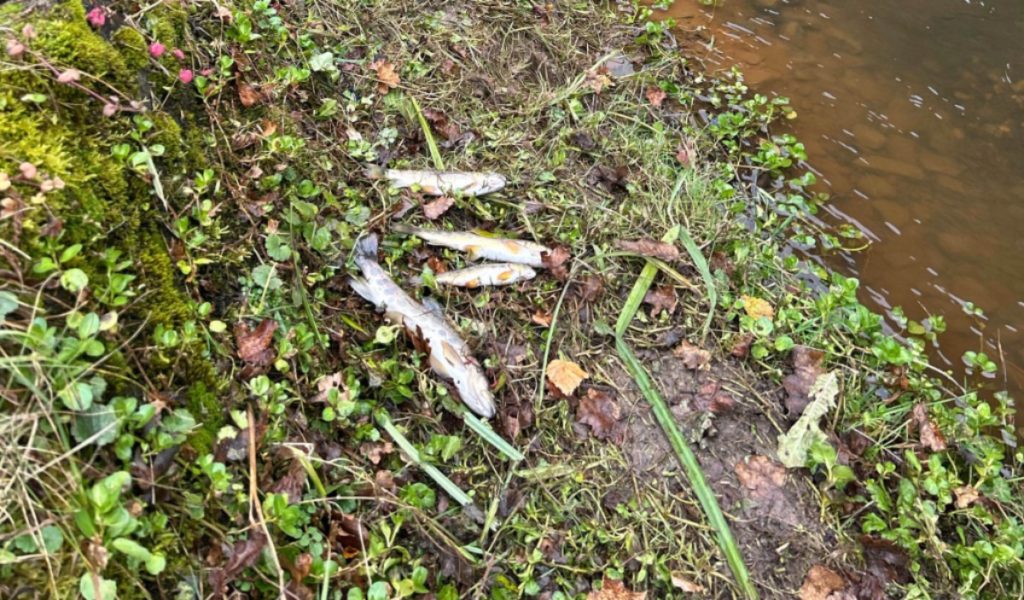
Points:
(806, 370)
(600, 411)
(662, 298)
(243, 554)
(694, 357)
(247, 94)
(649, 247)
(436, 208)
(254, 345)
(655, 96)
(931, 437)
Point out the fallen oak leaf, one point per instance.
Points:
(435, 208)
(387, 77)
(649, 247)
(442, 125)
(542, 318)
(600, 411)
(565, 375)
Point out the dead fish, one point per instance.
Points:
(450, 355)
(437, 183)
(521, 252)
(488, 274)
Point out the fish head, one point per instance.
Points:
(475, 391)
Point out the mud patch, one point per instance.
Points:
(731, 419)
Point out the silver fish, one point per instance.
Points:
(450, 355)
(477, 246)
(487, 274)
(436, 183)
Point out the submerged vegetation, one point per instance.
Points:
(195, 403)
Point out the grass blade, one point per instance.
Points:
(686, 457)
(705, 273)
(435, 154)
(491, 437)
(439, 478)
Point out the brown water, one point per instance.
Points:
(913, 116)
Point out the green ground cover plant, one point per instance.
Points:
(194, 403)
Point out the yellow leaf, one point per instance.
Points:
(566, 375)
(757, 307)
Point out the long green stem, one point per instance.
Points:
(439, 478)
(686, 457)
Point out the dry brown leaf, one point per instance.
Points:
(806, 370)
(655, 96)
(555, 261)
(649, 247)
(447, 129)
(254, 344)
(598, 79)
(931, 437)
(762, 480)
(612, 589)
(686, 585)
(542, 318)
(292, 483)
(966, 495)
(741, 345)
(436, 208)
(757, 308)
(662, 298)
(686, 153)
(820, 583)
(387, 77)
(590, 287)
(375, 451)
(694, 357)
(566, 375)
(243, 554)
(247, 94)
(600, 411)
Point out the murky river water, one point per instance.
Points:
(913, 114)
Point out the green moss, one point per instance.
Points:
(133, 47)
(168, 23)
(205, 404)
(104, 204)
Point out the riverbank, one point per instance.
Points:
(197, 403)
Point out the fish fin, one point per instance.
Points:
(505, 275)
(451, 354)
(362, 287)
(473, 252)
(367, 246)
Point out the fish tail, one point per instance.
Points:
(406, 229)
(367, 247)
(374, 172)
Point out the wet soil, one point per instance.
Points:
(731, 418)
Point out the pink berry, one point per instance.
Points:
(156, 49)
(185, 75)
